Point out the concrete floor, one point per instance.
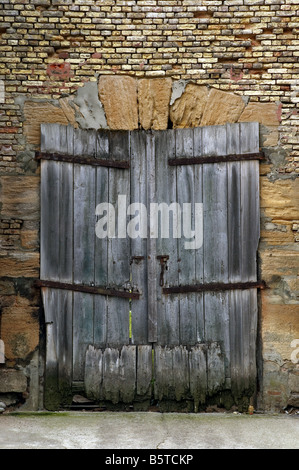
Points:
(134, 430)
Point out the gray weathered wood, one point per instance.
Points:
(203, 342)
(215, 368)
(153, 307)
(127, 374)
(198, 374)
(101, 244)
(216, 238)
(138, 254)
(119, 247)
(93, 373)
(84, 242)
(166, 193)
(186, 259)
(144, 371)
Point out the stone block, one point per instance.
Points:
(12, 381)
(264, 113)
(118, 95)
(19, 197)
(222, 107)
(37, 113)
(23, 338)
(153, 99)
(280, 200)
(188, 109)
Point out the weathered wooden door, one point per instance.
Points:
(148, 264)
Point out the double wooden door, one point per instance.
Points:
(148, 264)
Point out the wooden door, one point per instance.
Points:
(133, 316)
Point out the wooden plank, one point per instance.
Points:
(235, 261)
(164, 381)
(56, 227)
(49, 237)
(93, 373)
(188, 191)
(84, 244)
(216, 239)
(52, 395)
(144, 372)
(138, 221)
(180, 370)
(153, 306)
(249, 138)
(198, 374)
(119, 247)
(215, 368)
(127, 374)
(101, 244)
(199, 252)
(111, 386)
(166, 193)
(65, 267)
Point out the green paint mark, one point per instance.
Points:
(130, 325)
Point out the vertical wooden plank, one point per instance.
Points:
(249, 142)
(235, 259)
(84, 243)
(164, 381)
(166, 193)
(216, 240)
(65, 305)
(127, 374)
(199, 252)
(52, 397)
(111, 385)
(93, 373)
(138, 220)
(119, 247)
(186, 258)
(216, 368)
(144, 372)
(153, 305)
(56, 227)
(101, 244)
(198, 374)
(180, 367)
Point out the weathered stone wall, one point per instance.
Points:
(149, 64)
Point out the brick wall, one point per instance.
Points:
(53, 56)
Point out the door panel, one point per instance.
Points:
(167, 322)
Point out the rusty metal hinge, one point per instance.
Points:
(122, 164)
(215, 159)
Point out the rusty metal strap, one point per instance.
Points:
(88, 289)
(215, 159)
(123, 164)
(214, 287)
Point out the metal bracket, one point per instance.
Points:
(163, 263)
